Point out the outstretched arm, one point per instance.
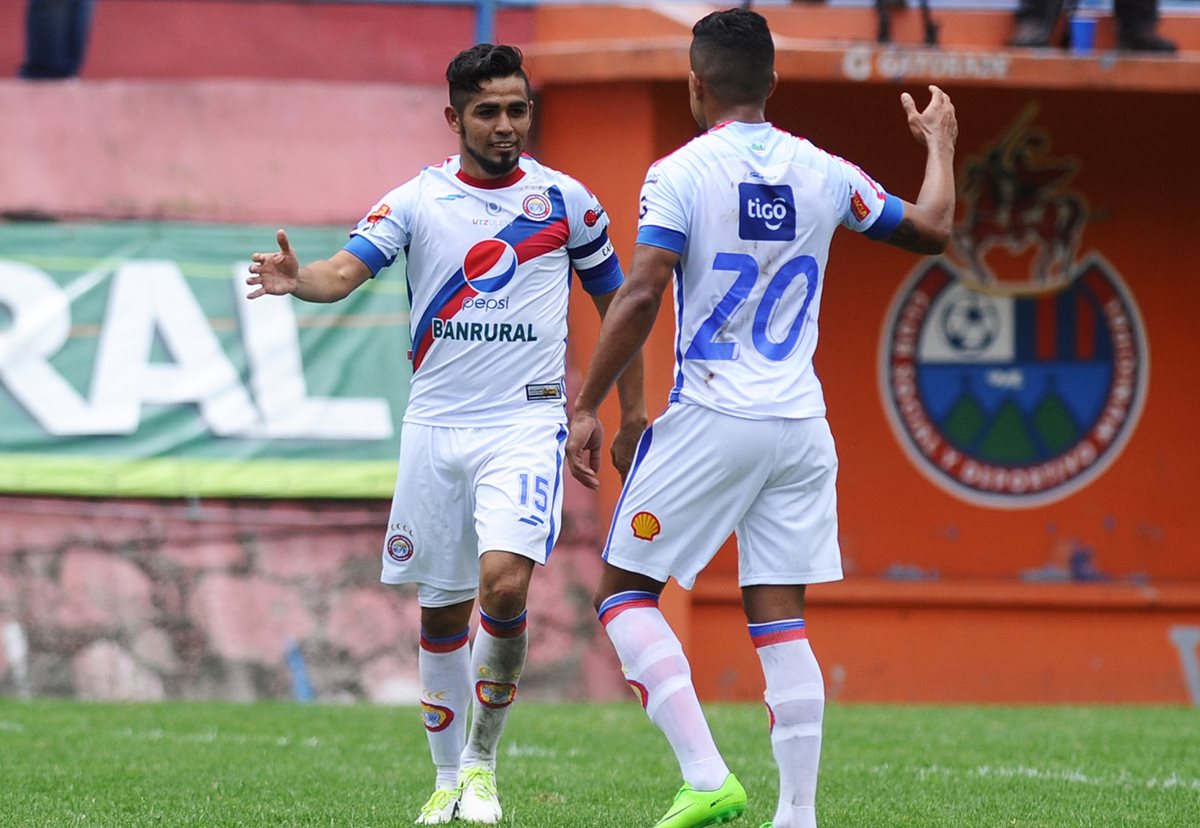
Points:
(628, 322)
(326, 280)
(631, 390)
(926, 225)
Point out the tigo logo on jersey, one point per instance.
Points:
(536, 206)
(768, 212)
(490, 265)
(399, 548)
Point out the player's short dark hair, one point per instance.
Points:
(732, 52)
(482, 62)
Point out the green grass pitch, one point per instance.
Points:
(590, 766)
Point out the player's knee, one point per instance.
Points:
(441, 622)
(503, 597)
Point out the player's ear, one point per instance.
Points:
(774, 84)
(695, 86)
(453, 121)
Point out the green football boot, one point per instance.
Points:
(695, 809)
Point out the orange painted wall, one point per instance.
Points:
(945, 639)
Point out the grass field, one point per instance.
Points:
(590, 766)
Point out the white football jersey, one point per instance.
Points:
(751, 210)
(488, 267)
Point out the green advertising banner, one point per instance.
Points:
(131, 364)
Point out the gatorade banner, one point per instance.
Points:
(131, 364)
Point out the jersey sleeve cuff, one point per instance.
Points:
(371, 256)
(662, 237)
(604, 278)
(889, 219)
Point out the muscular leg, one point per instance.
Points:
(655, 666)
(795, 696)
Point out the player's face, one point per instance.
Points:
(492, 127)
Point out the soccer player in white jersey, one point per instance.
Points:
(742, 216)
(489, 237)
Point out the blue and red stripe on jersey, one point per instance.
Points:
(446, 644)
(499, 628)
(614, 605)
(528, 239)
(777, 632)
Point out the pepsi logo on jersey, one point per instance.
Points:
(767, 212)
(485, 303)
(489, 265)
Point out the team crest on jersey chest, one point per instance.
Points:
(1014, 371)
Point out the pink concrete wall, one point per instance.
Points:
(214, 150)
(289, 39)
(153, 600)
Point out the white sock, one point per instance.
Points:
(497, 660)
(656, 668)
(445, 670)
(796, 699)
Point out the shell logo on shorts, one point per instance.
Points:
(1014, 380)
(645, 526)
(639, 690)
(536, 206)
(495, 693)
(437, 718)
(489, 265)
(399, 548)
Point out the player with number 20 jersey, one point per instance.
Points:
(752, 261)
(740, 219)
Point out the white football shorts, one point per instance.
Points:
(461, 492)
(700, 475)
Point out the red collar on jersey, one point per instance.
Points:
(491, 183)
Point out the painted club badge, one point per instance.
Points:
(1017, 386)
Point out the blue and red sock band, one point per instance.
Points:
(616, 604)
(503, 629)
(444, 645)
(777, 632)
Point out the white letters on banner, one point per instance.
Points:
(149, 299)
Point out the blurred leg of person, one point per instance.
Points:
(56, 36)
(1137, 27)
(1035, 23)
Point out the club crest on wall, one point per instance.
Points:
(1013, 369)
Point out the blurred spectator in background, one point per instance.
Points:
(1137, 24)
(56, 34)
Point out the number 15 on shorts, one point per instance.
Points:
(537, 494)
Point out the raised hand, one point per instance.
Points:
(274, 273)
(936, 125)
